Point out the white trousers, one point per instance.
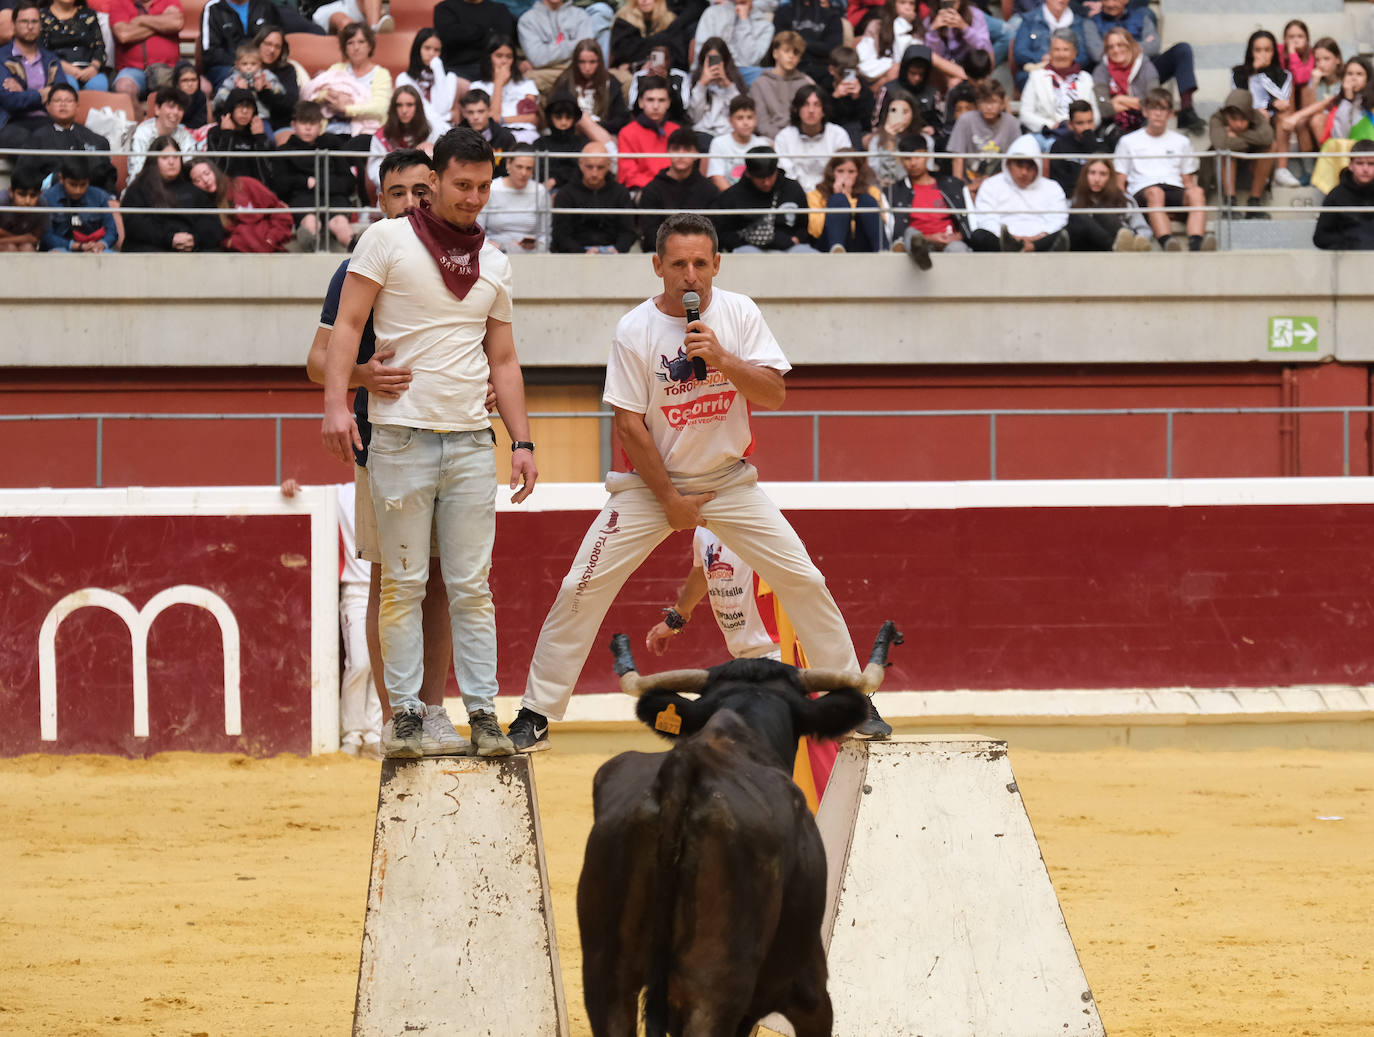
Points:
(630, 526)
(360, 714)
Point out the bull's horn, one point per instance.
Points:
(829, 680)
(684, 682)
(872, 676)
(631, 683)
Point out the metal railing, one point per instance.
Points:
(814, 417)
(1223, 212)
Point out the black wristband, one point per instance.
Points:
(673, 619)
(521, 444)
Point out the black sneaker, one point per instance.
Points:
(919, 251)
(1190, 122)
(875, 728)
(407, 729)
(529, 731)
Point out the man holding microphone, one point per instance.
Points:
(681, 392)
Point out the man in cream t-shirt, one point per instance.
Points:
(687, 438)
(440, 297)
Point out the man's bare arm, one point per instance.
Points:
(509, 384)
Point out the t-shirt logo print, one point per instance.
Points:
(715, 567)
(675, 369)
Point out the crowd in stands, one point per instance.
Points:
(859, 111)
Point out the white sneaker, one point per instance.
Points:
(1284, 178)
(351, 745)
(439, 737)
(385, 24)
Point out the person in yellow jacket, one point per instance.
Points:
(854, 220)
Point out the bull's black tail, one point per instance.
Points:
(673, 790)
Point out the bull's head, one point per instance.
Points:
(773, 698)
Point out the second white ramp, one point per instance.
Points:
(941, 920)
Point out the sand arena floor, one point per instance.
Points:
(220, 895)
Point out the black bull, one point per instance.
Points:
(703, 883)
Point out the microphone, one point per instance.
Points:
(691, 302)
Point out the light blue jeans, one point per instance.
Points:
(446, 480)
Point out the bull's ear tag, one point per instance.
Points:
(668, 721)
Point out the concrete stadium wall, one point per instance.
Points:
(215, 311)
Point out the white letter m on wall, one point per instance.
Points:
(138, 622)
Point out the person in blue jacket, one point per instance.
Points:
(27, 73)
(76, 229)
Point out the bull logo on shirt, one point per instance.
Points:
(676, 369)
(714, 566)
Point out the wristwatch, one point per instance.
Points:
(521, 444)
(674, 620)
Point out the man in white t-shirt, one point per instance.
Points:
(440, 299)
(681, 395)
(1156, 167)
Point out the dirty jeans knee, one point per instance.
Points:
(404, 470)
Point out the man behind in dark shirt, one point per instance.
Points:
(64, 133)
(680, 187)
(593, 188)
(1083, 139)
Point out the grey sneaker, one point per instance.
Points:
(529, 731)
(875, 728)
(403, 740)
(487, 736)
(440, 738)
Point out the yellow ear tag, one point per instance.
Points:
(668, 721)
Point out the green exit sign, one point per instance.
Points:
(1292, 334)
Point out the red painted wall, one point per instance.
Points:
(258, 564)
(168, 453)
(1225, 596)
(1024, 597)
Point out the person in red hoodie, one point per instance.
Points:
(246, 231)
(647, 132)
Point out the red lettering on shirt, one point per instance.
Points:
(702, 411)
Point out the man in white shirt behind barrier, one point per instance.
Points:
(687, 436)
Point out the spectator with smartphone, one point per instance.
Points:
(851, 101)
(517, 214)
(743, 29)
(715, 83)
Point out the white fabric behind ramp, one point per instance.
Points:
(459, 937)
(940, 916)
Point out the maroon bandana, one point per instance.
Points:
(455, 251)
